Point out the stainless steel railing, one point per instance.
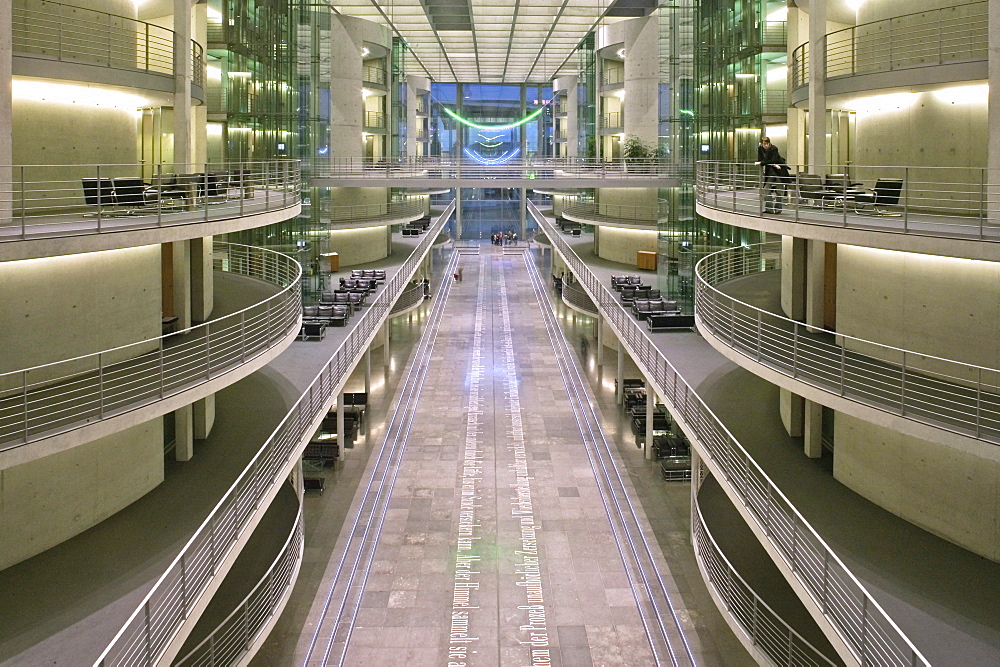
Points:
(49, 399)
(375, 119)
(612, 75)
(151, 628)
(410, 297)
(396, 210)
(528, 168)
(575, 296)
(952, 395)
(232, 638)
(612, 120)
(47, 201)
(860, 621)
(949, 202)
(625, 213)
(934, 37)
(372, 74)
(762, 625)
(77, 34)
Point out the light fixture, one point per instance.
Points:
(780, 14)
(214, 15)
(964, 94)
(855, 5)
(214, 72)
(365, 92)
(777, 74)
(620, 94)
(41, 91)
(239, 74)
(492, 162)
(743, 75)
(365, 51)
(879, 103)
(534, 114)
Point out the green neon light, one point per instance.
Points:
(690, 113)
(534, 114)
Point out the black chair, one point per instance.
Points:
(130, 193)
(99, 192)
(886, 192)
(810, 189)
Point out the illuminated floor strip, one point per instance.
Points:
(666, 635)
(328, 645)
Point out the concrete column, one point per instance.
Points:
(458, 213)
(182, 85)
(642, 79)
(815, 283)
(6, 108)
(341, 438)
(524, 215)
(388, 240)
(600, 340)
(204, 416)
(202, 279)
(792, 410)
(813, 429)
(368, 370)
(620, 390)
(184, 433)
(385, 349)
(346, 103)
(650, 407)
(181, 253)
(571, 84)
(793, 277)
(817, 88)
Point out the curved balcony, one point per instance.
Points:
(764, 630)
(235, 638)
(945, 394)
(616, 215)
(358, 216)
(99, 390)
(576, 298)
(410, 299)
(79, 36)
(374, 121)
(612, 122)
(613, 76)
(944, 36)
(374, 76)
(152, 629)
(825, 583)
(952, 211)
(60, 209)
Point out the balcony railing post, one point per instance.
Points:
(150, 659)
(100, 384)
(146, 50)
(902, 387)
(100, 198)
(160, 355)
(24, 207)
(24, 402)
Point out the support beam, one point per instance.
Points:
(650, 408)
(204, 416)
(184, 433)
(368, 370)
(202, 280)
(600, 339)
(813, 432)
(341, 436)
(791, 407)
(385, 348)
(181, 258)
(182, 85)
(620, 384)
(817, 88)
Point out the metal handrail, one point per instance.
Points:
(873, 637)
(373, 74)
(531, 167)
(612, 75)
(232, 638)
(799, 66)
(626, 213)
(613, 120)
(947, 202)
(52, 201)
(363, 212)
(375, 119)
(761, 624)
(81, 35)
(48, 399)
(953, 395)
(410, 297)
(575, 296)
(152, 626)
(959, 33)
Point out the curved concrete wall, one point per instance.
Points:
(358, 246)
(48, 501)
(620, 245)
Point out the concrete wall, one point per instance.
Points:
(933, 305)
(44, 503)
(62, 307)
(357, 246)
(642, 79)
(950, 493)
(620, 245)
(644, 199)
(353, 197)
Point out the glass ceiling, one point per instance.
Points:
(487, 41)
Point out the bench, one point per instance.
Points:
(314, 484)
(666, 322)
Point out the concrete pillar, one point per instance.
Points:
(182, 85)
(815, 283)
(793, 277)
(620, 391)
(202, 280)
(600, 340)
(650, 407)
(642, 79)
(388, 240)
(458, 213)
(204, 416)
(523, 234)
(792, 410)
(346, 70)
(181, 254)
(184, 433)
(817, 88)
(813, 429)
(571, 84)
(385, 349)
(341, 438)
(368, 370)
(6, 108)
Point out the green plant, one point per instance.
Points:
(634, 148)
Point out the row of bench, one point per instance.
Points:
(647, 304)
(324, 448)
(336, 308)
(669, 445)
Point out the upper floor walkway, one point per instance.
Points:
(503, 172)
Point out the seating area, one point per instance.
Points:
(647, 303)
(837, 190)
(127, 195)
(417, 227)
(572, 228)
(670, 447)
(336, 308)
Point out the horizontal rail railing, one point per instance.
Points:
(232, 638)
(956, 396)
(375, 119)
(948, 202)
(799, 66)
(576, 296)
(762, 625)
(955, 34)
(626, 213)
(528, 168)
(80, 35)
(612, 120)
(362, 212)
(858, 619)
(151, 628)
(410, 297)
(373, 74)
(49, 399)
(612, 76)
(50, 201)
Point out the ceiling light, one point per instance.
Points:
(742, 75)
(239, 74)
(365, 51)
(621, 53)
(964, 94)
(214, 15)
(780, 14)
(620, 94)
(855, 5)
(214, 72)
(879, 103)
(777, 74)
(69, 94)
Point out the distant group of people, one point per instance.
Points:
(504, 238)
